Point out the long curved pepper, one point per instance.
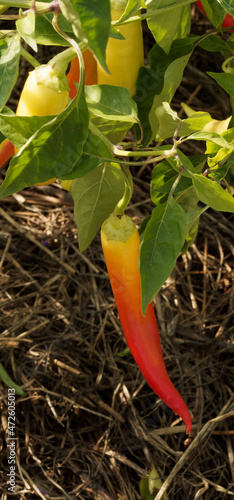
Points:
(120, 242)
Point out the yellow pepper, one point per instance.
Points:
(123, 57)
(44, 93)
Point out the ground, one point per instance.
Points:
(90, 427)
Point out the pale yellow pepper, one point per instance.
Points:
(123, 57)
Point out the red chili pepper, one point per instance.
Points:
(90, 72)
(120, 243)
(228, 20)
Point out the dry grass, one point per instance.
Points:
(90, 427)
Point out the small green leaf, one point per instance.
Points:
(95, 196)
(132, 7)
(111, 109)
(185, 162)
(213, 43)
(162, 242)
(90, 22)
(219, 172)
(214, 12)
(228, 135)
(168, 25)
(192, 223)
(150, 485)
(217, 160)
(9, 382)
(228, 6)
(123, 353)
(94, 154)
(188, 199)
(210, 136)
(163, 177)
(18, 129)
(212, 194)
(172, 78)
(158, 82)
(225, 80)
(45, 34)
(169, 121)
(9, 66)
(26, 29)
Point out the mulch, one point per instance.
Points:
(90, 427)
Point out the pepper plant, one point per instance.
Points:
(79, 140)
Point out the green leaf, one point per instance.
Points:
(162, 242)
(9, 66)
(214, 12)
(210, 136)
(225, 80)
(218, 156)
(188, 199)
(94, 154)
(214, 43)
(111, 109)
(192, 224)
(150, 485)
(49, 152)
(168, 122)
(185, 162)
(212, 194)
(158, 82)
(228, 6)
(144, 489)
(163, 178)
(90, 22)
(172, 78)
(123, 353)
(216, 161)
(9, 382)
(26, 29)
(18, 129)
(131, 8)
(45, 34)
(114, 33)
(95, 196)
(213, 148)
(219, 172)
(169, 25)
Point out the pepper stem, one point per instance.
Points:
(123, 203)
(74, 46)
(118, 227)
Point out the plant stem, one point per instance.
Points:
(122, 204)
(64, 57)
(25, 4)
(29, 57)
(75, 47)
(167, 153)
(119, 151)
